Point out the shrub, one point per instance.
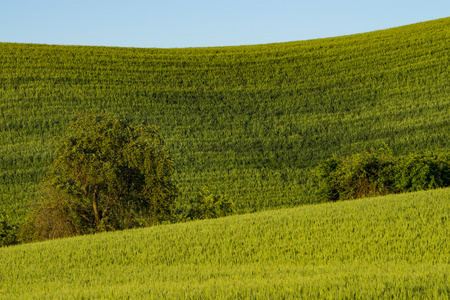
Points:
(360, 175)
(8, 233)
(422, 171)
(204, 205)
(56, 215)
(378, 172)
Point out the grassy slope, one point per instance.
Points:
(247, 121)
(392, 246)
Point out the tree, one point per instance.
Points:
(107, 174)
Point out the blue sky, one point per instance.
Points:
(202, 23)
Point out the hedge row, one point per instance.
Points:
(378, 172)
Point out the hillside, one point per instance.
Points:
(385, 247)
(247, 121)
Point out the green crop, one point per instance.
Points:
(247, 121)
(385, 247)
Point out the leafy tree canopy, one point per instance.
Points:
(107, 174)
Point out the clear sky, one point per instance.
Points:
(203, 23)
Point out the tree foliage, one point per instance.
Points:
(107, 174)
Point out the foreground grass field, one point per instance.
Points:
(385, 247)
(247, 121)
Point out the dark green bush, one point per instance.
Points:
(204, 205)
(325, 180)
(378, 172)
(57, 215)
(422, 171)
(8, 232)
(360, 175)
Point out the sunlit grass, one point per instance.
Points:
(392, 246)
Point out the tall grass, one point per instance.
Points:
(247, 121)
(386, 247)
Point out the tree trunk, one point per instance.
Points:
(95, 206)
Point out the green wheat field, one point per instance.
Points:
(393, 247)
(250, 122)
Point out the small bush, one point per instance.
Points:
(204, 205)
(8, 233)
(378, 172)
(55, 216)
(422, 171)
(360, 175)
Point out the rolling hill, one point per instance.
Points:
(246, 121)
(381, 248)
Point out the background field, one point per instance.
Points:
(247, 121)
(386, 247)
